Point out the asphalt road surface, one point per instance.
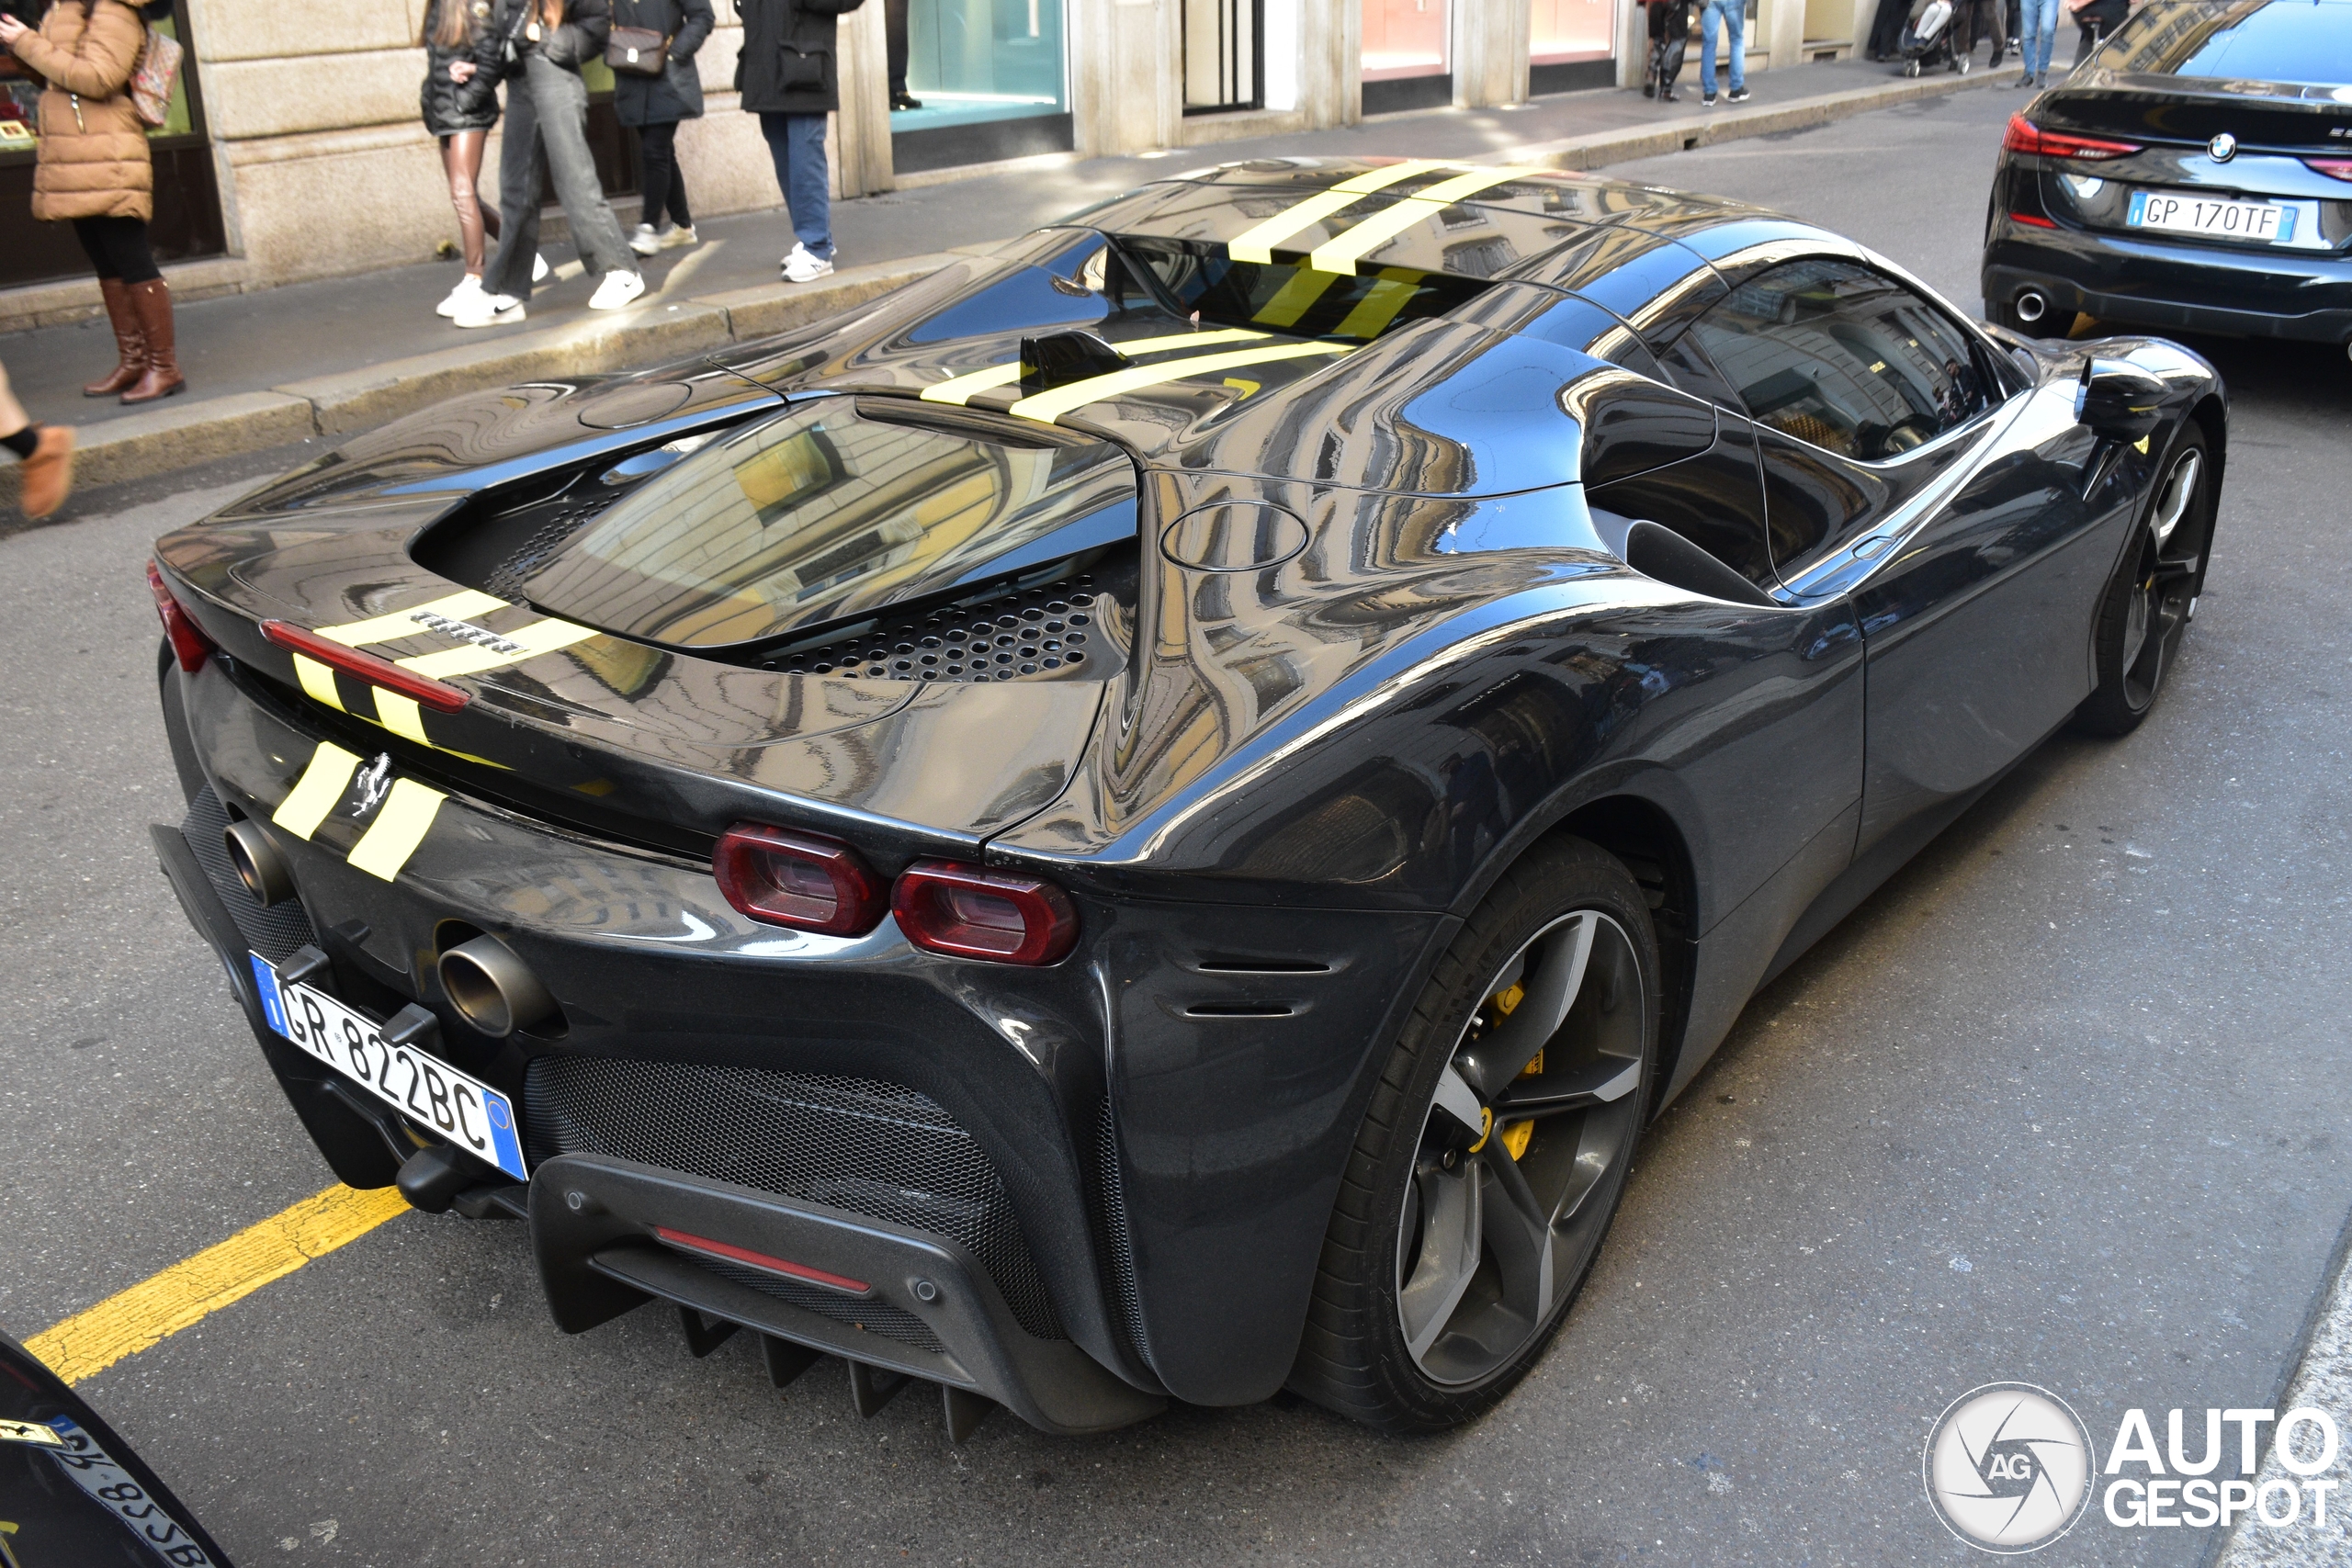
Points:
(2064, 1103)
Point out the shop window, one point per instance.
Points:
(1224, 41)
(1571, 45)
(992, 76)
(186, 225)
(1407, 57)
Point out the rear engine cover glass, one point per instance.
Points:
(830, 511)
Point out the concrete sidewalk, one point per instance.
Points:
(326, 359)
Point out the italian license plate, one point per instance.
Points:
(2261, 221)
(427, 1091)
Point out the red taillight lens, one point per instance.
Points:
(438, 696)
(797, 879)
(969, 912)
(189, 645)
(2024, 136)
(2334, 168)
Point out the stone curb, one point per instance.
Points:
(144, 446)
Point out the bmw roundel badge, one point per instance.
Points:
(2222, 147)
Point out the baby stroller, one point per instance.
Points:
(1670, 41)
(1927, 39)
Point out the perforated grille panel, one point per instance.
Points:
(506, 579)
(877, 1149)
(273, 932)
(1045, 632)
(1125, 1295)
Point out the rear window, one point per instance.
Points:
(1187, 277)
(832, 512)
(2307, 42)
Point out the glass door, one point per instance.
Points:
(1224, 40)
(992, 77)
(1407, 55)
(1572, 45)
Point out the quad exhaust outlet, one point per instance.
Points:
(494, 989)
(258, 864)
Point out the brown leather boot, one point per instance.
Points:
(161, 377)
(48, 474)
(129, 347)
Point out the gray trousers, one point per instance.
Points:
(549, 106)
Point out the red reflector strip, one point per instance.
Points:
(2030, 217)
(2334, 168)
(438, 696)
(762, 1260)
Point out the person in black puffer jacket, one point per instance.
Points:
(654, 106)
(459, 97)
(787, 77)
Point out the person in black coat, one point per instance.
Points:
(787, 76)
(463, 61)
(654, 106)
(1886, 31)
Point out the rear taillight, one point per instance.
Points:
(2334, 168)
(797, 879)
(189, 645)
(2024, 136)
(438, 696)
(968, 911)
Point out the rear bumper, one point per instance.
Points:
(2304, 297)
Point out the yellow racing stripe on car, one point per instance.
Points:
(400, 716)
(960, 390)
(1046, 407)
(539, 636)
(1341, 253)
(1380, 304)
(321, 787)
(1257, 244)
(402, 623)
(401, 825)
(1295, 296)
(318, 680)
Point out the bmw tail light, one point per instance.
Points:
(2024, 136)
(189, 645)
(797, 879)
(2334, 168)
(969, 912)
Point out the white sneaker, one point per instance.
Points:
(644, 242)
(800, 266)
(539, 269)
(485, 310)
(674, 236)
(617, 289)
(468, 287)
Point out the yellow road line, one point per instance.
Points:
(1047, 406)
(1257, 244)
(1341, 253)
(402, 623)
(406, 817)
(318, 791)
(161, 1305)
(960, 390)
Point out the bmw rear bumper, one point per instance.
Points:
(2300, 296)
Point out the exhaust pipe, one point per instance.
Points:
(259, 865)
(2033, 304)
(495, 990)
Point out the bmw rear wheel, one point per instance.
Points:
(1491, 1161)
(2145, 610)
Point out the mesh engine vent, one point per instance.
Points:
(1126, 1294)
(1042, 631)
(871, 1148)
(873, 1318)
(506, 579)
(273, 932)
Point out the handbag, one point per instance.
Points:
(637, 51)
(151, 80)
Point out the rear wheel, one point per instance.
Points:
(2147, 604)
(1492, 1158)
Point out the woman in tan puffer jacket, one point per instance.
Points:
(95, 172)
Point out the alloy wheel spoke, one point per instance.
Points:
(1451, 1237)
(1557, 959)
(1518, 1233)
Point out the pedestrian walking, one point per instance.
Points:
(787, 77)
(1669, 40)
(93, 170)
(1886, 31)
(2037, 35)
(1976, 20)
(1733, 14)
(895, 52)
(655, 94)
(44, 455)
(464, 59)
(2097, 18)
(544, 43)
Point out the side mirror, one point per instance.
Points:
(2118, 402)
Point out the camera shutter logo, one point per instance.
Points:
(2009, 1468)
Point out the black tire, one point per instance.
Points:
(2144, 612)
(1583, 1103)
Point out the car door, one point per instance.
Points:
(1904, 465)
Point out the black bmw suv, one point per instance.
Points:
(2195, 173)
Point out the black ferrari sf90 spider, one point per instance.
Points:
(1150, 816)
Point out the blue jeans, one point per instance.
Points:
(2038, 31)
(797, 143)
(1734, 14)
